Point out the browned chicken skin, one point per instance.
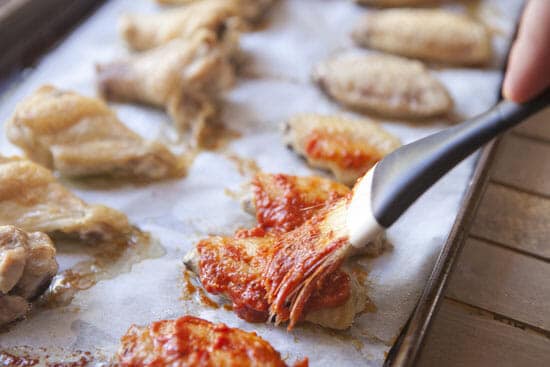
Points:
(347, 147)
(250, 10)
(429, 34)
(190, 341)
(184, 76)
(385, 85)
(81, 136)
(299, 223)
(27, 265)
(145, 31)
(33, 200)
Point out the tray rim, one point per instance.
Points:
(408, 347)
(28, 35)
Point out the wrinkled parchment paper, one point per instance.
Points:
(299, 34)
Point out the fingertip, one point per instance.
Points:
(510, 88)
(509, 93)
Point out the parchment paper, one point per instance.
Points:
(299, 34)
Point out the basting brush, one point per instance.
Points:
(307, 255)
(396, 182)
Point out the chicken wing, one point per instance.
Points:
(429, 34)
(250, 10)
(81, 136)
(395, 2)
(176, 2)
(27, 266)
(346, 147)
(386, 85)
(12, 308)
(301, 232)
(32, 199)
(184, 76)
(283, 202)
(145, 31)
(319, 288)
(190, 341)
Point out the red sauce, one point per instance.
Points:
(263, 281)
(227, 269)
(303, 363)
(206, 300)
(189, 287)
(259, 268)
(285, 212)
(284, 202)
(341, 150)
(332, 291)
(301, 264)
(190, 341)
(257, 231)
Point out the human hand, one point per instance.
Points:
(528, 71)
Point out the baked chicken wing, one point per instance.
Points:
(190, 341)
(33, 200)
(429, 34)
(283, 202)
(184, 76)
(176, 2)
(290, 277)
(27, 266)
(395, 2)
(346, 147)
(146, 31)
(250, 10)
(81, 136)
(292, 266)
(383, 84)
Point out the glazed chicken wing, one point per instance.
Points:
(346, 147)
(27, 266)
(292, 266)
(430, 34)
(386, 85)
(184, 76)
(283, 202)
(190, 341)
(292, 276)
(33, 200)
(81, 136)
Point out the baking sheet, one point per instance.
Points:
(299, 34)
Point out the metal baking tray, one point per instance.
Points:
(27, 35)
(407, 348)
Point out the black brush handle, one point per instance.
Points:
(401, 177)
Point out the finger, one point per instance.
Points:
(529, 64)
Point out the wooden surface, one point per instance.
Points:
(496, 310)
